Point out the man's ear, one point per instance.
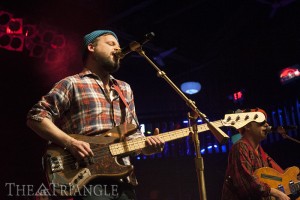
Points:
(90, 47)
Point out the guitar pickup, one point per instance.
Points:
(56, 164)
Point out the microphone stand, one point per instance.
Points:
(284, 134)
(289, 137)
(199, 163)
(217, 132)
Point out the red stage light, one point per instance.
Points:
(58, 42)
(15, 26)
(11, 42)
(37, 50)
(4, 19)
(29, 30)
(290, 74)
(237, 96)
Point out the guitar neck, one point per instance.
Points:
(140, 143)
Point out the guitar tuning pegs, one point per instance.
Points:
(237, 118)
(228, 119)
(255, 116)
(246, 117)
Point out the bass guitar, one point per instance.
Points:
(66, 175)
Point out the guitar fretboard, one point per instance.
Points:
(140, 143)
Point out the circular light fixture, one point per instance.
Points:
(190, 87)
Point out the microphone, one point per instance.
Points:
(280, 128)
(132, 46)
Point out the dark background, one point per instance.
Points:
(227, 46)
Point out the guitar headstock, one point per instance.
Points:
(238, 120)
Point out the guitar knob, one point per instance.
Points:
(281, 188)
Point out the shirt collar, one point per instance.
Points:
(87, 72)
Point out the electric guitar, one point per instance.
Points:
(286, 182)
(66, 175)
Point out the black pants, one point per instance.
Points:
(107, 191)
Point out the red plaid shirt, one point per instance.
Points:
(78, 104)
(242, 184)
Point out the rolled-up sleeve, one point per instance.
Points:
(53, 104)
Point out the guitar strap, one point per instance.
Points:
(131, 178)
(117, 88)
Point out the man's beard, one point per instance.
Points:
(107, 64)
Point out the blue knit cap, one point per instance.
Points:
(90, 38)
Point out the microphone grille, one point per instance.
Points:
(269, 129)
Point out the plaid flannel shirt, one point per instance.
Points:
(242, 184)
(78, 105)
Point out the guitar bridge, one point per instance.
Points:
(67, 187)
(56, 164)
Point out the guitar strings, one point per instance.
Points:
(70, 160)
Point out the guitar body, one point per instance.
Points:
(286, 182)
(66, 175)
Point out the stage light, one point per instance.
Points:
(216, 148)
(4, 40)
(237, 97)
(209, 148)
(290, 74)
(37, 50)
(224, 149)
(142, 128)
(199, 121)
(15, 26)
(35, 46)
(29, 30)
(48, 36)
(4, 19)
(12, 42)
(17, 43)
(58, 42)
(190, 87)
(202, 151)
